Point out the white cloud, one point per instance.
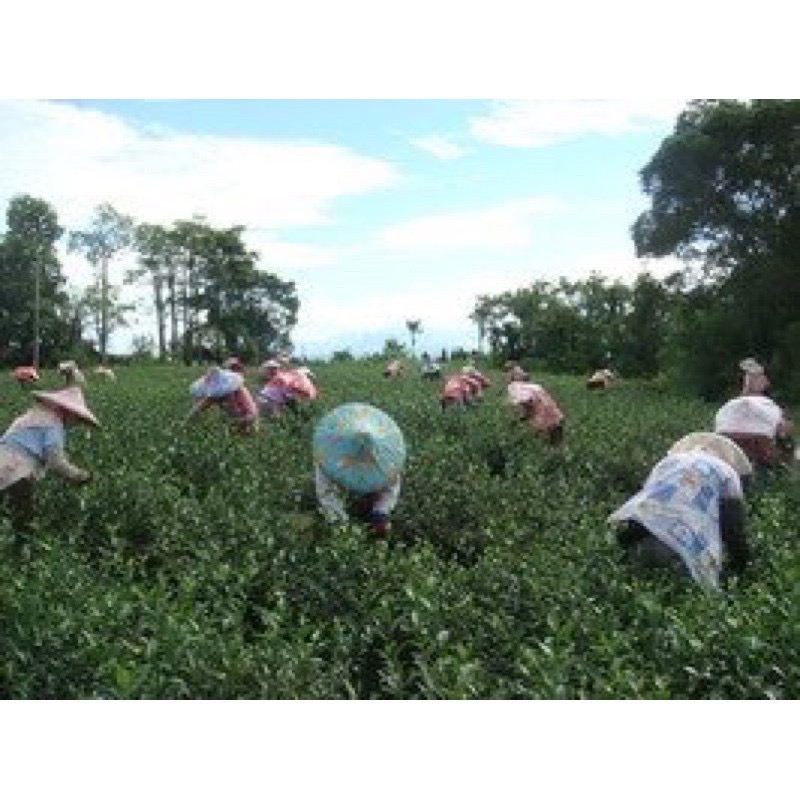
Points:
(442, 303)
(537, 123)
(287, 257)
(504, 226)
(440, 146)
(77, 158)
(617, 265)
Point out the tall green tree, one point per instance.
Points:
(646, 328)
(251, 311)
(33, 316)
(218, 299)
(725, 195)
(109, 233)
(480, 316)
(156, 255)
(414, 329)
(194, 245)
(103, 315)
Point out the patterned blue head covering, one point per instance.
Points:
(359, 447)
(215, 383)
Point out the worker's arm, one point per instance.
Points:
(56, 460)
(330, 499)
(199, 406)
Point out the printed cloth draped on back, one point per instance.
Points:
(680, 505)
(216, 383)
(359, 447)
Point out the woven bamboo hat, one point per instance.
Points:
(70, 400)
(719, 446)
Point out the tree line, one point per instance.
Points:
(724, 192)
(208, 294)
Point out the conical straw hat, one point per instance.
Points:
(719, 446)
(359, 447)
(216, 383)
(69, 399)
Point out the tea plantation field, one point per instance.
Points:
(195, 566)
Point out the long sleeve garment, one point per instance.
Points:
(33, 444)
(336, 504)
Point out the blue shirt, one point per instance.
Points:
(35, 440)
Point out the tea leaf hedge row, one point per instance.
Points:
(196, 566)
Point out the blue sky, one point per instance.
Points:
(379, 210)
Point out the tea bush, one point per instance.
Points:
(195, 565)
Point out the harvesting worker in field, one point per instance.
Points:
(514, 372)
(759, 426)
(234, 364)
(71, 373)
(34, 443)
(430, 369)
(284, 388)
(601, 379)
(689, 515)
(455, 392)
(536, 406)
(394, 369)
(226, 390)
(754, 379)
(475, 382)
(359, 454)
(105, 373)
(25, 376)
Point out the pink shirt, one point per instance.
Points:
(240, 404)
(471, 384)
(481, 378)
(544, 413)
(298, 383)
(454, 388)
(288, 385)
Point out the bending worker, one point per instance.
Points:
(754, 379)
(689, 515)
(34, 443)
(759, 426)
(359, 454)
(284, 388)
(226, 390)
(536, 407)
